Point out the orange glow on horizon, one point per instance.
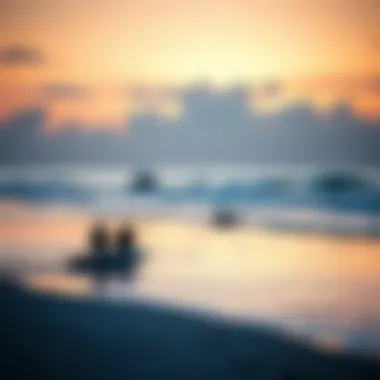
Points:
(178, 42)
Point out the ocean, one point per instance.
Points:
(339, 200)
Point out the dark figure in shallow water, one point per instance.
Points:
(97, 258)
(102, 259)
(126, 250)
(99, 241)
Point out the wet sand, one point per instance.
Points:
(51, 337)
(327, 286)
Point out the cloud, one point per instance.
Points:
(374, 84)
(63, 91)
(151, 96)
(19, 55)
(215, 126)
(343, 86)
(271, 89)
(367, 84)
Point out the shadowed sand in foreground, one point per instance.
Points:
(51, 337)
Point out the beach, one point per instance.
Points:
(320, 289)
(45, 336)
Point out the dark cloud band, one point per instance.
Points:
(21, 55)
(66, 91)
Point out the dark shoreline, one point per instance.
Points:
(56, 337)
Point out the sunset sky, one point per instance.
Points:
(78, 58)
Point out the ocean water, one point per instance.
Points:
(304, 254)
(335, 200)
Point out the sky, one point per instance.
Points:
(83, 60)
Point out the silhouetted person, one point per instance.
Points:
(102, 259)
(126, 250)
(99, 240)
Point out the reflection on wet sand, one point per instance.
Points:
(327, 284)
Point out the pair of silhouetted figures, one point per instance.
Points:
(109, 256)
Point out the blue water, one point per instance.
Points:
(341, 193)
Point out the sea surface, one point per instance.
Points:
(342, 200)
(302, 254)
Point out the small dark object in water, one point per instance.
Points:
(335, 183)
(224, 218)
(144, 182)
